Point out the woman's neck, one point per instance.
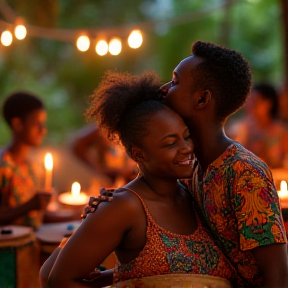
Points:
(209, 145)
(156, 188)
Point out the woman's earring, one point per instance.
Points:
(140, 174)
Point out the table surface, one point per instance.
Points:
(54, 232)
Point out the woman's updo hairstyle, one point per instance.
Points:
(122, 105)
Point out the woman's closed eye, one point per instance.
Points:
(187, 137)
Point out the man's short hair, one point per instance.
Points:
(225, 73)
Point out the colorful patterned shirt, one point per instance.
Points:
(169, 253)
(239, 201)
(19, 182)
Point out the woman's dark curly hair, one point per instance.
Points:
(123, 104)
(225, 73)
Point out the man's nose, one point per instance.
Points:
(165, 88)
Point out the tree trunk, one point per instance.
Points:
(284, 92)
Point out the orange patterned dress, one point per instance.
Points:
(166, 253)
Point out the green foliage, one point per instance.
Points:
(64, 77)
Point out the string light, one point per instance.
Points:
(101, 48)
(83, 43)
(115, 46)
(20, 32)
(6, 38)
(135, 39)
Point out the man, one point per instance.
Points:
(232, 187)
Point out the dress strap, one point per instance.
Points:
(106, 195)
(143, 203)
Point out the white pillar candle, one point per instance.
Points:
(75, 197)
(283, 194)
(49, 167)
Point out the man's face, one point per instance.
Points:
(179, 93)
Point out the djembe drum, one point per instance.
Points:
(19, 257)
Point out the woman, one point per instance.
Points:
(151, 223)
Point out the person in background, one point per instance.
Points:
(261, 131)
(108, 160)
(232, 187)
(151, 223)
(22, 197)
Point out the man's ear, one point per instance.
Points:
(137, 154)
(16, 124)
(204, 99)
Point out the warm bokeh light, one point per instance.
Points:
(115, 46)
(135, 39)
(283, 193)
(75, 189)
(6, 38)
(83, 43)
(48, 161)
(20, 32)
(101, 48)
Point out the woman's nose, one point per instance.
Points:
(187, 147)
(165, 88)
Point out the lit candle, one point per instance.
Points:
(49, 167)
(283, 194)
(75, 197)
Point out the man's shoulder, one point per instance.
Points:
(237, 161)
(237, 155)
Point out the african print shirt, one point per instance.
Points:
(239, 201)
(168, 253)
(19, 182)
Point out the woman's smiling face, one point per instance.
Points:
(167, 148)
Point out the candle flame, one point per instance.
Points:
(75, 189)
(283, 189)
(48, 161)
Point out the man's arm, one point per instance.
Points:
(38, 202)
(272, 263)
(258, 209)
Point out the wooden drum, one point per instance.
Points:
(19, 257)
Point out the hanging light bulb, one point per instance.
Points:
(135, 39)
(6, 38)
(83, 43)
(20, 32)
(101, 48)
(115, 46)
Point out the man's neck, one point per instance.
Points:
(209, 145)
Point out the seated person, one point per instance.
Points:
(151, 222)
(22, 199)
(262, 132)
(107, 159)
